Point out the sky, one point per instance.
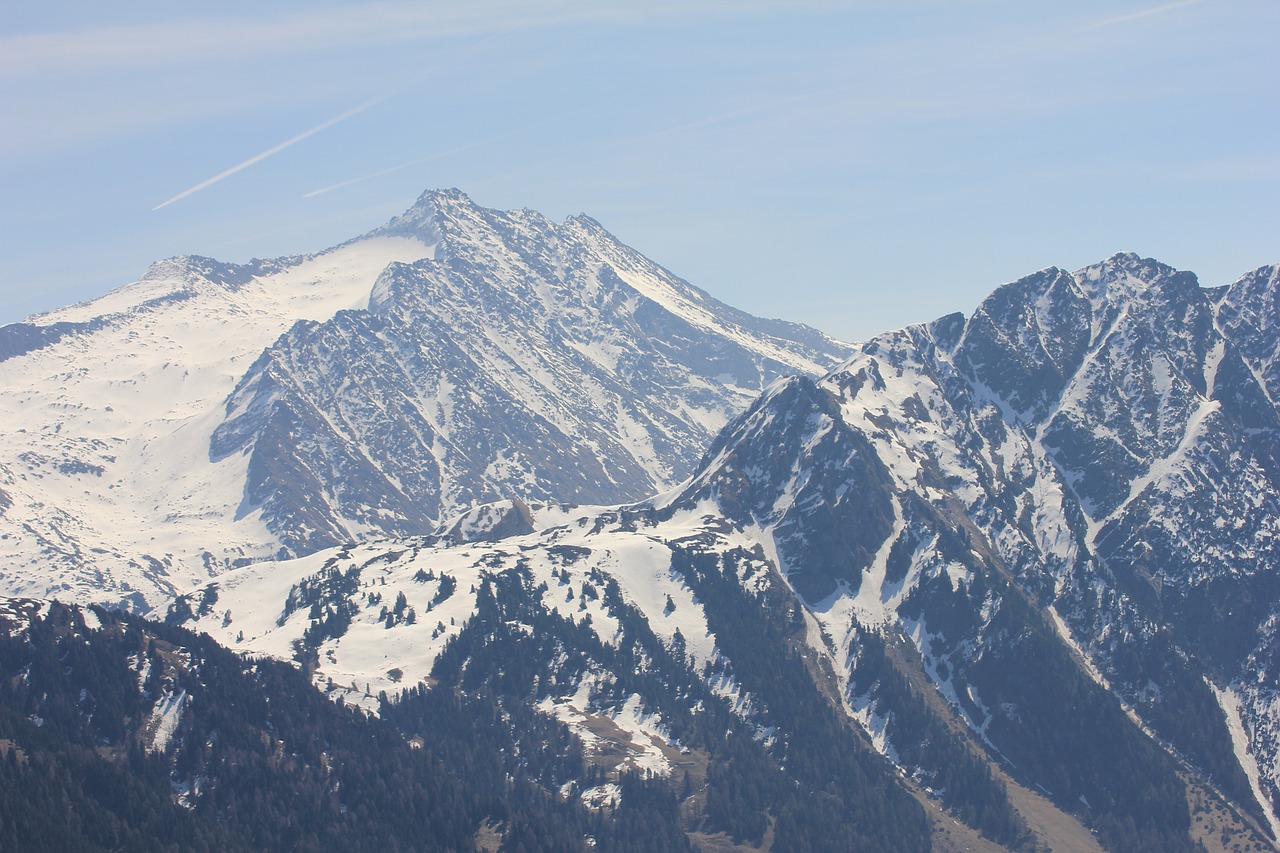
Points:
(856, 166)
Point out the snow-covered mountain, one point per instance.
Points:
(213, 414)
(1006, 581)
(1097, 446)
(1027, 557)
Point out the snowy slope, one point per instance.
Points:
(566, 549)
(526, 359)
(213, 414)
(1029, 553)
(1092, 442)
(108, 491)
(1041, 538)
(383, 616)
(647, 631)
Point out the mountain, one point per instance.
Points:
(214, 414)
(1091, 452)
(1004, 581)
(1009, 577)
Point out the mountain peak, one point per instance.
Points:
(196, 268)
(1125, 275)
(422, 220)
(588, 223)
(456, 355)
(442, 199)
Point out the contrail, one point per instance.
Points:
(258, 158)
(491, 39)
(388, 171)
(743, 112)
(681, 128)
(1133, 16)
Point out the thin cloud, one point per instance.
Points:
(438, 155)
(1238, 169)
(193, 40)
(732, 115)
(672, 130)
(1144, 13)
(258, 158)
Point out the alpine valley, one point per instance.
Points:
(482, 532)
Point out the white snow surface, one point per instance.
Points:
(104, 435)
(662, 287)
(110, 459)
(165, 716)
(646, 736)
(1230, 701)
(107, 489)
(251, 600)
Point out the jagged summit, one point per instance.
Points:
(1103, 439)
(425, 210)
(455, 355)
(1011, 574)
(1030, 557)
(1249, 311)
(426, 217)
(526, 359)
(1126, 274)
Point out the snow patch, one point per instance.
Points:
(165, 716)
(1230, 702)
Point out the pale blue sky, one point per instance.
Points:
(853, 165)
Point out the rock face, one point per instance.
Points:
(213, 414)
(1099, 447)
(1027, 554)
(524, 359)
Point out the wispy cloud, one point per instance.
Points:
(1143, 13)
(168, 43)
(1242, 169)
(767, 106)
(391, 169)
(492, 37)
(192, 40)
(258, 158)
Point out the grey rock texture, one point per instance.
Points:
(525, 359)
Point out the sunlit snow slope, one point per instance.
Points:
(211, 414)
(107, 488)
